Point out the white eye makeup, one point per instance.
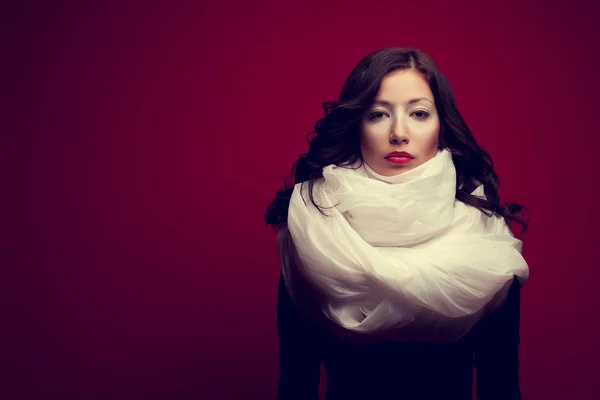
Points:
(419, 114)
(384, 109)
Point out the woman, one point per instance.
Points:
(399, 271)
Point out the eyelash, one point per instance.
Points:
(372, 116)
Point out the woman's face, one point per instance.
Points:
(403, 118)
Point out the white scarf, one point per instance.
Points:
(398, 258)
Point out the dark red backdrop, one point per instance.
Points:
(143, 143)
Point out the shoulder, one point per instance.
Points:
(283, 240)
(502, 325)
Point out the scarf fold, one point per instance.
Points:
(396, 258)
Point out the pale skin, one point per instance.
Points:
(402, 118)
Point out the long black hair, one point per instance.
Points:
(335, 139)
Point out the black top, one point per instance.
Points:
(402, 371)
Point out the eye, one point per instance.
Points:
(376, 115)
(421, 114)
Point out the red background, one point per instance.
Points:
(142, 143)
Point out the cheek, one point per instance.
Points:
(373, 135)
(425, 130)
(427, 133)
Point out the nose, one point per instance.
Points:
(398, 133)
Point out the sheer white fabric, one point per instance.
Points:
(396, 257)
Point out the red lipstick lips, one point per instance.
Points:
(399, 157)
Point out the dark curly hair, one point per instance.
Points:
(335, 139)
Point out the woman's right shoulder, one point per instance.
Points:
(283, 232)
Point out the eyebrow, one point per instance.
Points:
(411, 101)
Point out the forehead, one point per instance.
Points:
(403, 85)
